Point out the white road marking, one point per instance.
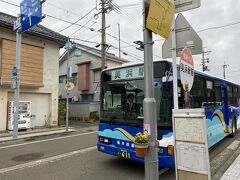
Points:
(45, 140)
(46, 160)
(162, 171)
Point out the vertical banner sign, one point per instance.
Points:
(160, 16)
(186, 69)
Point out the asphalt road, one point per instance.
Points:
(72, 157)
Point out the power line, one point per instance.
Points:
(92, 42)
(77, 20)
(53, 17)
(130, 54)
(118, 10)
(69, 22)
(82, 27)
(72, 23)
(86, 29)
(219, 27)
(63, 9)
(130, 5)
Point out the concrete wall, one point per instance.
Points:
(80, 111)
(45, 99)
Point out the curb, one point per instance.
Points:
(33, 135)
(223, 161)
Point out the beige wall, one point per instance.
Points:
(112, 63)
(45, 99)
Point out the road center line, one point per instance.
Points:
(45, 140)
(46, 160)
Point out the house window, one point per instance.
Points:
(31, 63)
(74, 78)
(97, 75)
(87, 97)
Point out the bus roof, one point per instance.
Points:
(196, 71)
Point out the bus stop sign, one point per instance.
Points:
(186, 69)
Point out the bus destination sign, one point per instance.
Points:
(128, 73)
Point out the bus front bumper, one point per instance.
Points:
(164, 161)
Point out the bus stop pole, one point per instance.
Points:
(149, 103)
(175, 81)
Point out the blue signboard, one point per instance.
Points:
(14, 71)
(31, 13)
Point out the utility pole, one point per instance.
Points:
(205, 60)
(68, 46)
(119, 42)
(103, 10)
(149, 103)
(17, 82)
(224, 66)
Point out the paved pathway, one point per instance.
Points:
(233, 172)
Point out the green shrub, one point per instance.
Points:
(61, 113)
(94, 117)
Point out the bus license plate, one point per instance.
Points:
(124, 153)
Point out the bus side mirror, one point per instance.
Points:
(159, 135)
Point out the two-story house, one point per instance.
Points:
(39, 71)
(85, 63)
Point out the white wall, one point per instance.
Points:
(3, 109)
(40, 106)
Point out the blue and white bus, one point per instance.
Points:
(118, 126)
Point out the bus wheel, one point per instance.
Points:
(234, 127)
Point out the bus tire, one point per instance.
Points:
(234, 127)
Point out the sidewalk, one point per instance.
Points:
(233, 172)
(73, 127)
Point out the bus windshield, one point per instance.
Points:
(122, 103)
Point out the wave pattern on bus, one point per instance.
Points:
(221, 117)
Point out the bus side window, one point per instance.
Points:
(180, 96)
(218, 94)
(197, 92)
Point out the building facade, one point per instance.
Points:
(38, 75)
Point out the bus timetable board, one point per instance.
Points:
(192, 156)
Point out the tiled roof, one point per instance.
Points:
(7, 21)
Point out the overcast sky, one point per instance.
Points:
(224, 43)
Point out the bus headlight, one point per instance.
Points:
(170, 149)
(105, 140)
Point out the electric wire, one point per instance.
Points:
(131, 5)
(65, 10)
(77, 20)
(86, 29)
(118, 10)
(202, 30)
(219, 27)
(82, 27)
